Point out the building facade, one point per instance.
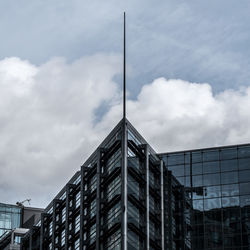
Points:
(126, 196)
(10, 217)
(14, 222)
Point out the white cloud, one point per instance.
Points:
(178, 115)
(48, 124)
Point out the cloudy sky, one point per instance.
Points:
(60, 82)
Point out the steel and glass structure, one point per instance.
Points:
(210, 197)
(126, 196)
(10, 217)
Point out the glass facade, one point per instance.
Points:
(128, 197)
(216, 182)
(10, 218)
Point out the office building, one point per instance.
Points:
(15, 220)
(127, 196)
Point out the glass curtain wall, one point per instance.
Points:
(217, 181)
(10, 218)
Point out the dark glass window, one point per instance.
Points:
(175, 159)
(196, 168)
(244, 176)
(198, 205)
(197, 180)
(245, 188)
(187, 169)
(228, 153)
(212, 192)
(211, 179)
(212, 217)
(230, 201)
(244, 200)
(211, 167)
(229, 177)
(196, 157)
(188, 181)
(244, 151)
(187, 158)
(181, 180)
(230, 217)
(244, 163)
(228, 165)
(211, 155)
(230, 190)
(177, 170)
(212, 203)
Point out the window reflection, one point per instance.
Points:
(212, 203)
(228, 153)
(244, 176)
(244, 151)
(228, 165)
(229, 177)
(245, 200)
(212, 192)
(197, 180)
(211, 167)
(211, 179)
(230, 190)
(198, 205)
(230, 201)
(245, 188)
(244, 164)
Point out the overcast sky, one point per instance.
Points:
(60, 82)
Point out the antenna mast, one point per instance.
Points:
(124, 67)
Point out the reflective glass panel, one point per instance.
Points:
(230, 190)
(211, 179)
(211, 167)
(174, 159)
(212, 203)
(229, 177)
(244, 176)
(228, 165)
(211, 155)
(198, 205)
(244, 151)
(197, 180)
(196, 168)
(196, 156)
(212, 192)
(244, 188)
(230, 201)
(244, 163)
(177, 170)
(228, 153)
(244, 200)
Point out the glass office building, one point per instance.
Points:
(216, 184)
(126, 196)
(10, 217)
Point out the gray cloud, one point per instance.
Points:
(195, 40)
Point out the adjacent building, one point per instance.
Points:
(127, 196)
(14, 223)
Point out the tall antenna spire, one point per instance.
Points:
(124, 66)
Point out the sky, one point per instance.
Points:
(188, 82)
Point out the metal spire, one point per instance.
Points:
(124, 67)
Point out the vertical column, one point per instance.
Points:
(42, 231)
(98, 198)
(162, 206)
(147, 197)
(53, 224)
(124, 229)
(81, 207)
(30, 238)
